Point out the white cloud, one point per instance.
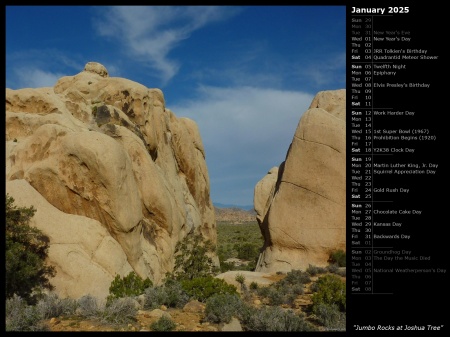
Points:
(328, 71)
(245, 131)
(149, 33)
(255, 116)
(27, 77)
(31, 68)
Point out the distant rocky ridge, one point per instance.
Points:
(300, 205)
(234, 215)
(117, 179)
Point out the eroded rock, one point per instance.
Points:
(302, 213)
(106, 156)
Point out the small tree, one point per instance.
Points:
(192, 259)
(130, 285)
(26, 251)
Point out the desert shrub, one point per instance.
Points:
(329, 290)
(287, 289)
(333, 268)
(130, 285)
(240, 279)
(314, 287)
(275, 319)
(276, 295)
(88, 306)
(220, 308)
(53, 306)
(119, 311)
(26, 251)
(201, 288)
(171, 294)
(314, 270)
(254, 285)
(330, 316)
(22, 317)
(163, 324)
(295, 277)
(226, 266)
(283, 295)
(338, 257)
(192, 258)
(263, 291)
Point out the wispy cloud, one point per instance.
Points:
(28, 77)
(243, 128)
(325, 71)
(149, 33)
(32, 69)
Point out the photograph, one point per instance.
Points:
(198, 168)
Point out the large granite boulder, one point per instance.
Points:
(301, 208)
(117, 179)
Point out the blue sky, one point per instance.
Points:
(245, 74)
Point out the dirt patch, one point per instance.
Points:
(275, 277)
(185, 321)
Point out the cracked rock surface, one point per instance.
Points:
(301, 206)
(117, 178)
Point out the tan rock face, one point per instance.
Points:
(106, 152)
(264, 191)
(302, 213)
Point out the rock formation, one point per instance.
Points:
(116, 178)
(301, 205)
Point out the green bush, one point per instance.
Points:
(329, 289)
(275, 319)
(330, 316)
(247, 251)
(295, 277)
(220, 308)
(226, 266)
(191, 258)
(280, 295)
(26, 251)
(171, 294)
(314, 270)
(254, 285)
(263, 291)
(286, 290)
(163, 324)
(338, 257)
(201, 288)
(130, 285)
(22, 317)
(240, 279)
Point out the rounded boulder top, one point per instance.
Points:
(97, 68)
